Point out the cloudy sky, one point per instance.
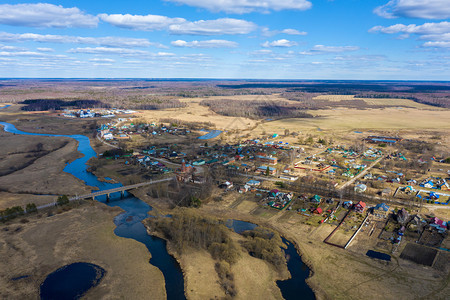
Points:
(262, 39)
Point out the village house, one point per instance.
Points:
(381, 210)
(288, 177)
(347, 204)
(360, 188)
(360, 207)
(385, 192)
(316, 199)
(253, 182)
(268, 159)
(437, 223)
(444, 186)
(263, 170)
(227, 185)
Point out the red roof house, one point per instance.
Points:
(360, 206)
(318, 211)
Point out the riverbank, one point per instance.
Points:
(252, 277)
(34, 165)
(44, 244)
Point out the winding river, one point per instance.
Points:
(129, 225)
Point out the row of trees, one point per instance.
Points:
(16, 211)
(11, 213)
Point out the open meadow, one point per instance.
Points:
(48, 241)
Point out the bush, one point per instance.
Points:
(280, 184)
(265, 244)
(31, 208)
(62, 200)
(11, 213)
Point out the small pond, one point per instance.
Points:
(71, 281)
(240, 226)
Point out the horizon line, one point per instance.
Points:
(216, 79)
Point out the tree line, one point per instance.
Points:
(256, 109)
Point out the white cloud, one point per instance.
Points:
(122, 52)
(437, 44)
(180, 26)
(102, 60)
(279, 43)
(205, 44)
(45, 15)
(213, 27)
(261, 52)
(12, 48)
(164, 54)
(425, 9)
(293, 32)
(45, 49)
(140, 22)
(359, 58)
(101, 41)
(290, 31)
(436, 34)
(106, 50)
(246, 6)
(321, 49)
(20, 53)
(425, 29)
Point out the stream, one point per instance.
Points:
(294, 288)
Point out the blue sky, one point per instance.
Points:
(260, 39)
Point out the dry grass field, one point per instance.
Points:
(194, 112)
(378, 101)
(84, 234)
(354, 119)
(254, 278)
(42, 175)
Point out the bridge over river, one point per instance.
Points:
(120, 189)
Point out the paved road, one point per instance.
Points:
(260, 177)
(104, 192)
(364, 172)
(198, 169)
(104, 142)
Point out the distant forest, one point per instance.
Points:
(162, 94)
(256, 109)
(58, 104)
(432, 93)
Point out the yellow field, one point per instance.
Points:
(377, 101)
(194, 112)
(349, 119)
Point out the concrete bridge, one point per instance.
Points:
(120, 189)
